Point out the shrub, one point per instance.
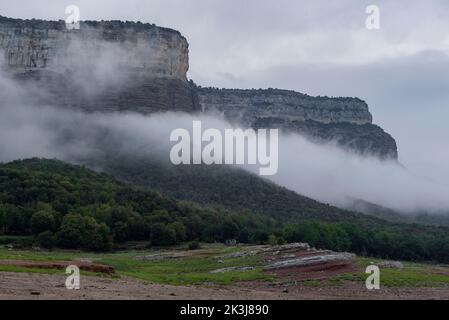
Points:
(46, 239)
(272, 240)
(162, 235)
(42, 221)
(194, 245)
(259, 236)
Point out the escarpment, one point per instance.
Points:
(113, 66)
(344, 121)
(103, 66)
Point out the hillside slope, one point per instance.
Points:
(224, 186)
(84, 209)
(73, 207)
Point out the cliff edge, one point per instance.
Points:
(103, 66)
(114, 66)
(344, 121)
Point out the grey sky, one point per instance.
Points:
(316, 47)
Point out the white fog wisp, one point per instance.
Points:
(322, 172)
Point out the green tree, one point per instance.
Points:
(84, 232)
(120, 231)
(42, 221)
(46, 239)
(180, 231)
(162, 235)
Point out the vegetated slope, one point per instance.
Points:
(304, 219)
(224, 186)
(420, 217)
(74, 207)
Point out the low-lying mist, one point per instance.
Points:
(322, 172)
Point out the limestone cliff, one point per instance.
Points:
(250, 105)
(346, 121)
(108, 65)
(112, 66)
(34, 44)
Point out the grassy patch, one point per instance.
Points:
(312, 283)
(30, 270)
(401, 278)
(31, 255)
(183, 271)
(412, 275)
(186, 271)
(17, 269)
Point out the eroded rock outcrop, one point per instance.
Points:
(295, 257)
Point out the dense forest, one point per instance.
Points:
(224, 186)
(58, 204)
(73, 207)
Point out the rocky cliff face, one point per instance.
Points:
(124, 66)
(250, 105)
(345, 121)
(34, 45)
(103, 66)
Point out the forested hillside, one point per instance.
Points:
(74, 207)
(69, 206)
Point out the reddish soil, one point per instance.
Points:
(319, 272)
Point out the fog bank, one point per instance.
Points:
(322, 172)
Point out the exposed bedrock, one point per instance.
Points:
(103, 66)
(345, 121)
(113, 66)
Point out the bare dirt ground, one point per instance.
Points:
(301, 273)
(19, 286)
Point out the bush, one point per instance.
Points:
(46, 239)
(194, 245)
(272, 240)
(162, 235)
(17, 241)
(260, 237)
(42, 221)
(120, 231)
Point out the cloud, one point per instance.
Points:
(323, 172)
(334, 176)
(316, 47)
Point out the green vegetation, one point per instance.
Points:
(194, 268)
(222, 186)
(388, 241)
(54, 204)
(187, 270)
(76, 208)
(413, 275)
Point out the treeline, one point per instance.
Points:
(72, 207)
(389, 241)
(222, 186)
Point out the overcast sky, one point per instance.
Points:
(316, 47)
